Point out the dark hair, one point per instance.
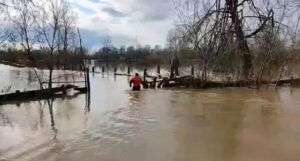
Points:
(136, 74)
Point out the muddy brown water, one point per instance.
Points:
(233, 124)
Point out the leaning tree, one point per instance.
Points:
(211, 27)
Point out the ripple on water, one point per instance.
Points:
(214, 124)
(122, 125)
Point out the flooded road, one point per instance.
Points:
(233, 124)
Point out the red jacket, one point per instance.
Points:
(136, 81)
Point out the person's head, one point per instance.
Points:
(136, 74)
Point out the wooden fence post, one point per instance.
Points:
(145, 73)
(85, 78)
(115, 70)
(128, 70)
(103, 70)
(154, 82)
(193, 75)
(88, 79)
(193, 71)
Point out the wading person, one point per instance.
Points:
(136, 81)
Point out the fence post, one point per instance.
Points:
(88, 79)
(103, 70)
(85, 78)
(128, 70)
(193, 75)
(154, 82)
(193, 71)
(115, 70)
(145, 73)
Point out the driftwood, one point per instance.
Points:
(12, 64)
(64, 82)
(151, 77)
(26, 100)
(81, 89)
(187, 81)
(39, 94)
(287, 81)
(122, 74)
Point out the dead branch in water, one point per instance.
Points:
(39, 94)
(188, 81)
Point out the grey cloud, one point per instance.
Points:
(96, 1)
(154, 10)
(143, 10)
(113, 12)
(93, 39)
(99, 1)
(156, 16)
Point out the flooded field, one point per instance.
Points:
(233, 124)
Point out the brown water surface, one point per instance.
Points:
(233, 124)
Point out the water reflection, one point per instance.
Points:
(50, 105)
(5, 121)
(115, 123)
(88, 102)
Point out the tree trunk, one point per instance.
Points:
(240, 35)
(50, 70)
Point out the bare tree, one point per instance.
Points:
(107, 45)
(6, 36)
(49, 20)
(174, 40)
(66, 29)
(210, 25)
(67, 24)
(23, 17)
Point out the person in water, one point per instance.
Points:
(136, 81)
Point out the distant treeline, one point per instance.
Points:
(73, 58)
(141, 55)
(41, 58)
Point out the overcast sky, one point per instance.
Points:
(126, 21)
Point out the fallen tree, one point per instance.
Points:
(39, 94)
(189, 81)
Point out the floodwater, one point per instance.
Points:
(233, 124)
